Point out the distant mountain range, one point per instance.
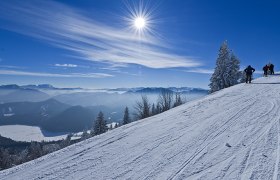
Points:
(80, 96)
(30, 93)
(50, 115)
(158, 90)
(74, 109)
(129, 90)
(14, 94)
(40, 86)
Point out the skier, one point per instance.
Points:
(271, 68)
(249, 72)
(265, 69)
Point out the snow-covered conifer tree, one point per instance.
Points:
(233, 71)
(243, 77)
(35, 150)
(5, 160)
(218, 79)
(67, 141)
(226, 72)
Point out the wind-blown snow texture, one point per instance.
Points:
(231, 134)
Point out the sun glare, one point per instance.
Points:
(139, 23)
(140, 17)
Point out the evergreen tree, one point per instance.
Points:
(34, 150)
(86, 135)
(243, 77)
(5, 159)
(47, 148)
(91, 133)
(100, 124)
(23, 156)
(126, 118)
(234, 71)
(66, 142)
(217, 81)
(226, 72)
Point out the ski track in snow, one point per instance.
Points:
(230, 134)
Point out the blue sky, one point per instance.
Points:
(94, 43)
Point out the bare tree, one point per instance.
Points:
(178, 99)
(142, 108)
(153, 111)
(165, 99)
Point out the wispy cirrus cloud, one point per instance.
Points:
(200, 71)
(11, 67)
(42, 74)
(66, 65)
(89, 39)
(69, 66)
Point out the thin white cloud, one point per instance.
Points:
(200, 71)
(66, 65)
(89, 39)
(11, 67)
(69, 66)
(71, 75)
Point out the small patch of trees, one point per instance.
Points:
(166, 101)
(178, 99)
(11, 156)
(18, 154)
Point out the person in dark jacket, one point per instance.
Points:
(249, 72)
(271, 68)
(265, 69)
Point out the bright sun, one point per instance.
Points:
(139, 18)
(139, 23)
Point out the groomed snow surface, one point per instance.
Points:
(231, 134)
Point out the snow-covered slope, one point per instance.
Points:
(231, 134)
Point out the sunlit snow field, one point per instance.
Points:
(29, 133)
